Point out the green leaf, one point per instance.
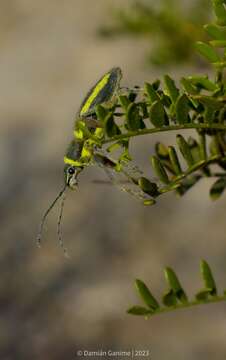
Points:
(208, 277)
(133, 117)
(210, 101)
(124, 101)
(156, 84)
(159, 170)
(175, 285)
(211, 105)
(169, 298)
(157, 114)
(171, 88)
(144, 110)
(203, 294)
(189, 86)
(148, 187)
(111, 128)
(149, 202)
(195, 149)
(185, 150)
(218, 43)
(162, 151)
(203, 82)
(217, 189)
(174, 160)
(146, 295)
(217, 32)
(101, 113)
(165, 99)
(182, 108)
(187, 184)
(207, 51)
(150, 91)
(190, 89)
(139, 310)
(220, 12)
(214, 147)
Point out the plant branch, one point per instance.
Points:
(214, 299)
(136, 133)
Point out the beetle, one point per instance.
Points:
(103, 92)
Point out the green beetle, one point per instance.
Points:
(103, 92)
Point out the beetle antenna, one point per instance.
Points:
(39, 236)
(59, 228)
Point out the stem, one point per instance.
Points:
(130, 134)
(214, 299)
(191, 170)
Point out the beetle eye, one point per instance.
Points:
(71, 170)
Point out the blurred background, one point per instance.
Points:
(50, 306)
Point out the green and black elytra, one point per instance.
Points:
(103, 92)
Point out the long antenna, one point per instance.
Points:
(39, 236)
(59, 228)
